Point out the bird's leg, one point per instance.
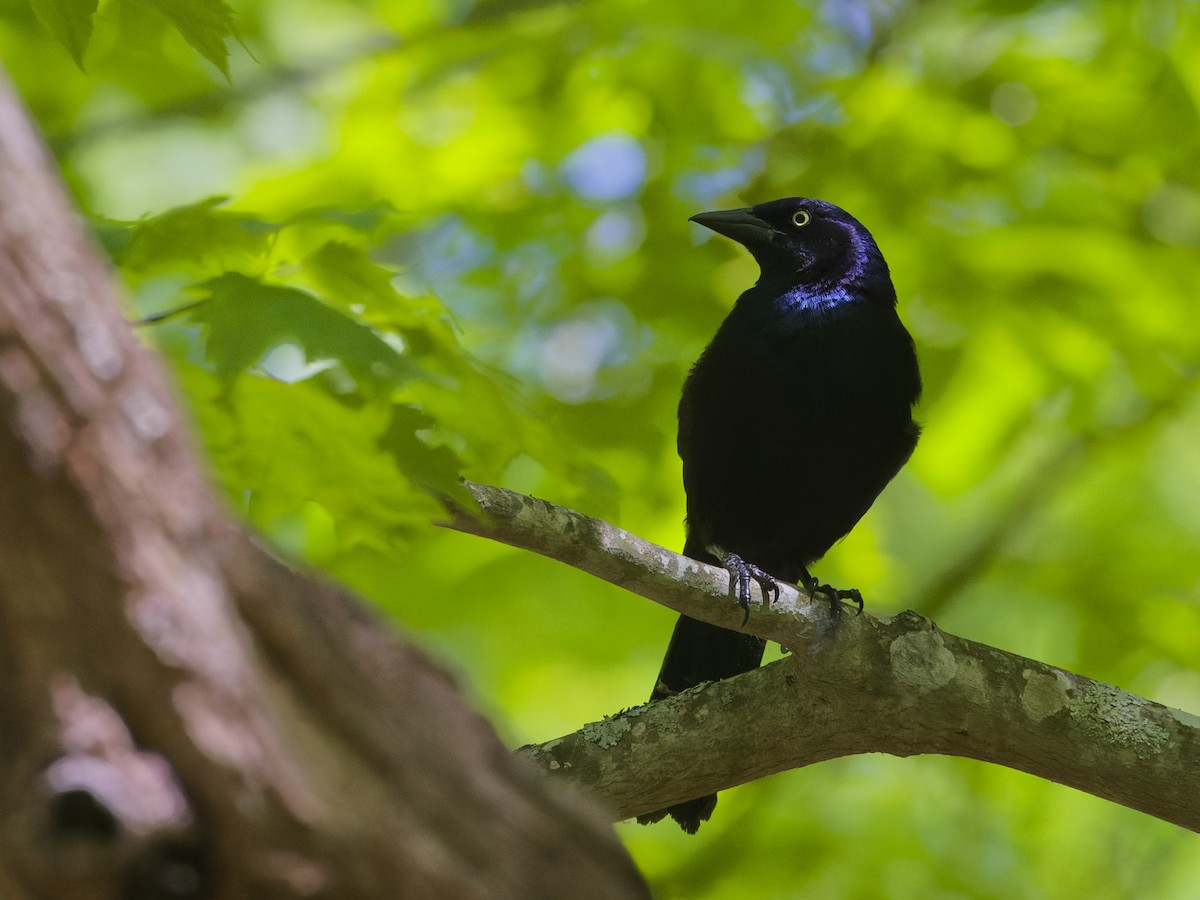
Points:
(836, 597)
(740, 574)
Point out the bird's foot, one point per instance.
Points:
(836, 596)
(740, 575)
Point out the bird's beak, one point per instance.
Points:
(740, 224)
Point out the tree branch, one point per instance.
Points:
(860, 685)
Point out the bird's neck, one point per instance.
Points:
(859, 276)
(784, 297)
(815, 298)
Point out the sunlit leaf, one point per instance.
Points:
(70, 21)
(205, 24)
(246, 318)
(200, 237)
(278, 446)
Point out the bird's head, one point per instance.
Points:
(801, 241)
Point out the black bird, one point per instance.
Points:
(791, 422)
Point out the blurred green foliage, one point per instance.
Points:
(455, 239)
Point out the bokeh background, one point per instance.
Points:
(425, 238)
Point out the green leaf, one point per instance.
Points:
(199, 238)
(278, 447)
(352, 280)
(246, 318)
(70, 22)
(348, 274)
(205, 24)
(430, 465)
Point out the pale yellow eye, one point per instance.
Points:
(801, 217)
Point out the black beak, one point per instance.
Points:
(740, 224)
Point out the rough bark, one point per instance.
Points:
(860, 685)
(181, 713)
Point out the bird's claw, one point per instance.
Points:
(740, 574)
(836, 596)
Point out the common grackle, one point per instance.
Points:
(791, 422)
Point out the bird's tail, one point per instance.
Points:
(700, 652)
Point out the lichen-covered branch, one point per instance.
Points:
(794, 619)
(863, 684)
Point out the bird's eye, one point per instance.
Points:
(801, 217)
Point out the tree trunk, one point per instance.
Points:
(183, 715)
